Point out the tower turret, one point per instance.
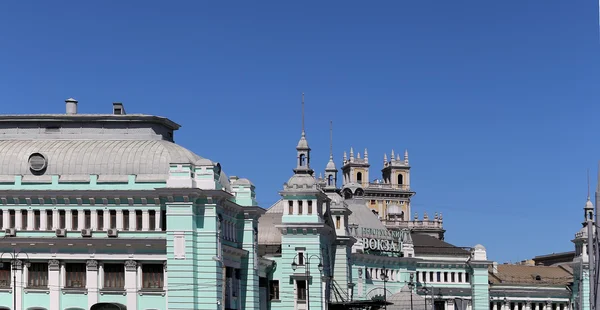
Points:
(330, 170)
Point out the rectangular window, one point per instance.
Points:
(439, 277)
(114, 276)
(152, 216)
(38, 275)
(300, 207)
(445, 277)
(467, 278)
(163, 220)
(274, 290)
(290, 207)
(88, 219)
(37, 218)
(100, 223)
(138, 220)
(62, 219)
(152, 276)
(113, 219)
(301, 289)
(309, 208)
(2, 218)
(125, 219)
(49, 220)
(431, 276)
(460, 277)
(75, 275)
(5, 275)
(338, 222)
(301, 259)
(12, 219)
(452, 277)
(24, 219)
(75, 220)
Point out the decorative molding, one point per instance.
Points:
(92, 265)
(41, 201)
(79, 201)
(157, 201)
(130, 201)
(118, 201)
(130, 265)
(67, 201)
(28, 201)
(54, 265)
(165, 266)
(144, 201)
(92, 201)
(105, 201)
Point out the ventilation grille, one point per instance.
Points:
(37, 162)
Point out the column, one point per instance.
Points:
(68, 220)
(145, 220)
(55, 222)
(132, 223)
(5, 219)
(157, 221)
(30, 220)
(91, 282)
(295, 204)
(21, 279)
(106, 219)
(94, 219)
(18, 219)
(80, 219)
(527, 305)
(131, 283)
(119, 220)
(54, 283)
(494, 305)
(43, 222)
(63, 276)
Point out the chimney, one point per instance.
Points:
(495, 268)
(71, 106)
(118, 108)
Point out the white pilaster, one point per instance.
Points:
(93, 220)
(5, 219)
(30, 220)
(55, 222)
(43, 222)
(91, 284)
(21, 280)
(18, 219)
(54, 283)
(63, 275)
(81, 219)
(131, 283)
(157, 221)
(145, 220)
(295, 206)
(119, 220)
(68, 220)
(106, 219)
(132, 223)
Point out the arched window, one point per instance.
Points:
(302, 160)
(400, 179)
(359, 177)
(330, 180)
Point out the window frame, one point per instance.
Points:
(113, 278)
(78, 275)
(153, 273)
(37, 272)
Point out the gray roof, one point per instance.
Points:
(100, 157)
(268, 234)
(428, 245)
(362, 215)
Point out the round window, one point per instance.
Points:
(37, 162)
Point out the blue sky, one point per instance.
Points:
(496, 101)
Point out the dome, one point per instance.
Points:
(301, 180)
(330, 165)
(479, 247)
(394, 210)
(402, 300)
(95, 157)
(303, 143)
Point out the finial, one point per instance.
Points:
(393, 156)
(345, 156)
(385, 159)
(366, 156)
(406, 156)
(588, 181)
(320, 176)
(397, 157)
(330, 139)
(425, 217)
(358, 155)
(416, 216)
(351, 154)
(441, 218)
(303, 134)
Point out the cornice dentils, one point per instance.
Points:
(118, 201)
(79, 201)
(28, 201)
(105, 201)
(144, 201)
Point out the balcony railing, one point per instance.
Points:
(404, 187)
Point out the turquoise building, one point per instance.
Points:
(107, 212)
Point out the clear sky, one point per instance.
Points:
(496, 101)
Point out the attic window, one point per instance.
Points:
(538, 278)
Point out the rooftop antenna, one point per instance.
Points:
(303, 134)
(330, 139)
(588, 181)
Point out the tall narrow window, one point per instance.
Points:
(62, 220)
(290, 207)
(138, 219)
(75, 220)
(467, 277)
(125, 219)
(100, 223)
(49, 224)
(152, 216)
(309, 207)
(24, 219)
(163, 220)
(300, 207)
(75, 275)
(301, 289)
(460, 277)
(452, 277)
(338, 222)
(113, 219)
(152, 276)
(2, 218)
(38, 275)
(274, 290)
(5, 275)
(359, 177)
(330, 180)
(302, 160)
(88, 219)
(439, 277)
(37, 218)
(400, 179)
(301, 258)
(12, 219)
(114, 276)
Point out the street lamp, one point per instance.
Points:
(307, 273)
(14, 260)
(385, 278)
(411, 286)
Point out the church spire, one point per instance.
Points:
(330, 169)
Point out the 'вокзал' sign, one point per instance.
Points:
(380, 240)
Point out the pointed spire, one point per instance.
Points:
(303, 133)
(366, 156)
(351, 154)
(385, 159)
(345, 157)
(393, 156)
(406, 156)
(358, 155)
(397, 157)
(331, 140)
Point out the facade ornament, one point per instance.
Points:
(53, 264)
(165, 266)
(130, 265)
(416, 216)
(92, 265)
(18, 264)
(425, 217)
